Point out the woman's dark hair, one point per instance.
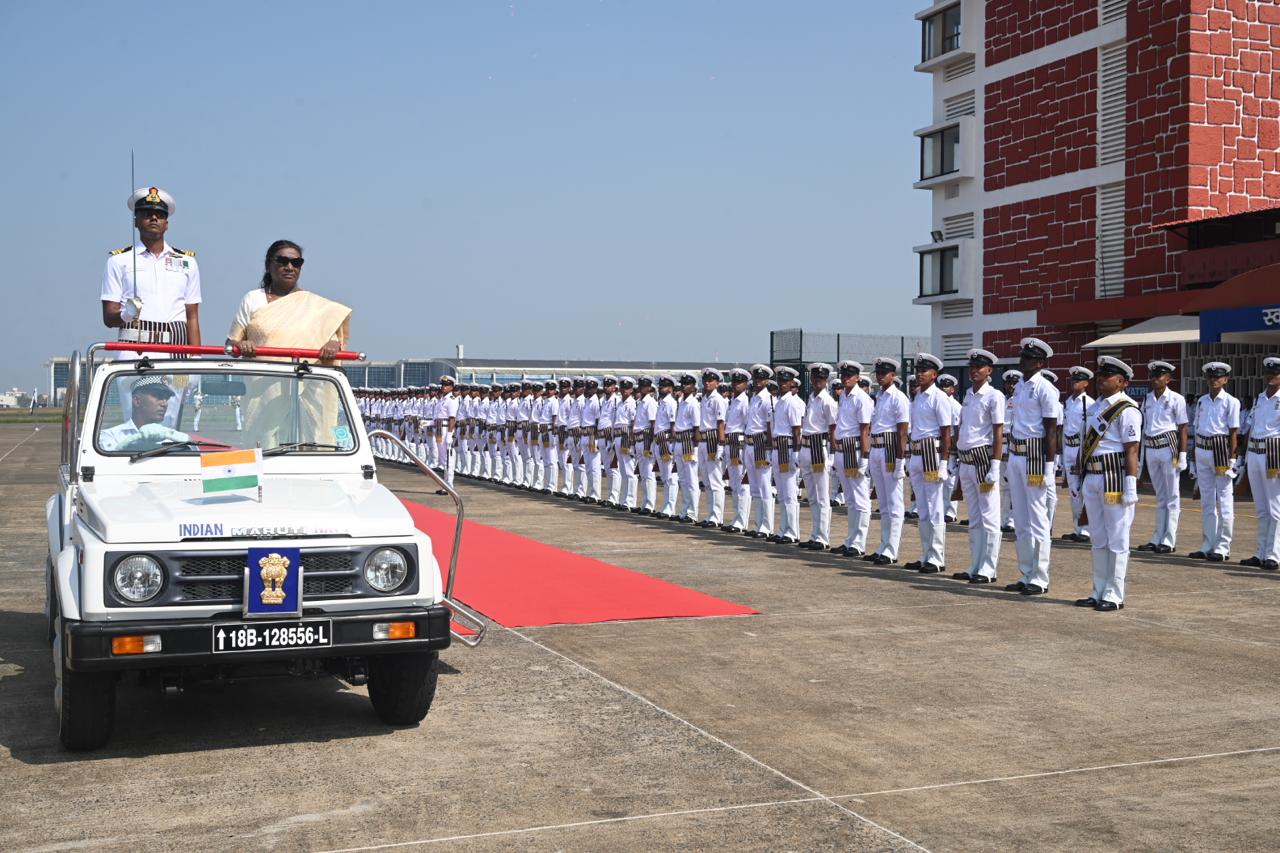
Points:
(271, 253)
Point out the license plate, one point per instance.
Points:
(269, 636)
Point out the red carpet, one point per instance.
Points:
(520, 582)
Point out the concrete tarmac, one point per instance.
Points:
(864, 709)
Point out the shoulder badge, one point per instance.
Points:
(187, 252)
(120, 251)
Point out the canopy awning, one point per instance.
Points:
(1176, 329)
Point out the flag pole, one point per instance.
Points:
(258, 445)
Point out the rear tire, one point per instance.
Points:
(85, 702)
(402, 686)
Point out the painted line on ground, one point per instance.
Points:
(1048, 773)
(19, 444)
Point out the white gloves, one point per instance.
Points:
(1129, 496)
(1048, 474)
(130, 308)
(1233, 469)
(1180, 464)
(160, 432)
(900, 470)
(993, 473)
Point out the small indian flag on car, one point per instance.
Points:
(231, 471)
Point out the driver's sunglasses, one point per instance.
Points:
(281, 260)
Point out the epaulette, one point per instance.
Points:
(187, 252)
(120, 251)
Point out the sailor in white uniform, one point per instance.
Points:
(930, 462)
(644, 446)
(735, 427)
(1033, 447)
(979, 446)
(665, 445)
(1164, 444)
(788, 415)
(1262, 460)
(852, 446)
(1009, 382)
(1216, 465)
(890, 436)
(623, 478)
(817, 435)
(711, 426)
(947, 383)
(688, 416)
(1073, 431)
(759, 441)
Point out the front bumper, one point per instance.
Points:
(186, 642)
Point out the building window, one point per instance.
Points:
(939, 152)
(938, 271)
(940, 33)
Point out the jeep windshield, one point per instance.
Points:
(198, 411)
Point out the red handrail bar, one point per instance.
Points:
(229, 350)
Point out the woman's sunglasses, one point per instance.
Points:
(281, 260)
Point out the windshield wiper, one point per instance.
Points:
(299, 445)
(170, 446)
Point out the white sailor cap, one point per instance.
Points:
(1013, 375)
(981, 358)
(644, 380)
(610, 379)
(688, 379)
(1156, 368)
(1110, 366)
(152, 384)
(1216, 369)
(447, 380)
(786, 374)
(820, 369)
(1079, 373)
(592, 382)
(1035, 348)
(627, 382)
(739, 374)
(1049, 375)
(884, 364)
(1271, 364)
(761, 371)
(946, 380)
(712, 373)
(849, 367)
(152, 198)
(666, 379)
(928, 361)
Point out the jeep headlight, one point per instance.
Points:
(138, 578)
(385, 569)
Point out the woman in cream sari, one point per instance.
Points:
(281, 314)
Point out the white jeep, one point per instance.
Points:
(295, 562)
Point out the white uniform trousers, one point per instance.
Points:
(590, 467)
(551, 464)
(687, 472)
(1006, 497)
(760, 484)
(857, 496)
(463, 451)
(1074, 493)
(625, 493)
(531, 456)
(737, 473)
(568, 452)
(613, 466)
(713, 475)
(1109, 524)
(670, 482)
(444, 451)
(819, 491)
(647, 475)
(1266, 502)
(1031, 523)
(1217, 505)
(604, 448)
(931, 504)
(892, 505)
(984, 523)
(788, 495)
(949, 486)
(580, 466)
(1166, 482)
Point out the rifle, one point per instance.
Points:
(1083, 521)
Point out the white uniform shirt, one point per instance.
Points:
(608, 412)
(1073, 414)
(1124, 429)
(1033, 400)
(735, 418)
(956, 409)
(715, 408)
(819, 413)
(855, 410)
(930, 413)
(625, 413)
(646, 412)
(1217, 416)
(1265, 420)
(167, 282)
(760, 413)
(892, 408)
(688, 414)
(788, 413)
(666, 413)
(447, 407)
(590, 411)
(551, 409)
(1164, 413)
(983, 407)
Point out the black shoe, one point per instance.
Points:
(950, 519)
(635, 510)
(961, 576)
(788, 540)
(646, 512)
(732, 529)
(1270, 565)
(882, 560)
(1033, 589)
(1198, 555)
(662, 515)
(1008, 528)
(1251, 562)
(963, 522)
(591, 501)
(1107, 607)
(441, 492)
(910, 514)
(913, 566)
(1069, 537)
(1015, 587)
(842, 550)
(1087, 602)
(1164, 549)
(684, 519)
(870, 556)
(775, 539)
(1216, 558)
(931, 569)
(976, 579)
(1150, 546)
(854, 552)
(818, 546)
(621, 508)
(806, 545)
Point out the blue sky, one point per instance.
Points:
(561, 179)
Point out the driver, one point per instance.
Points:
(150, 396)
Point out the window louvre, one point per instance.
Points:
(1110, 231)
(1112, 76)
(959, 105)
(951, 191)
(955, 227)
(1114, 10)
(958, 69)
(957, 310)
(956, 347)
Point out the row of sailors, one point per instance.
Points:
(761, 437)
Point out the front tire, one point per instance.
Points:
(402, 686)
(85, 702)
